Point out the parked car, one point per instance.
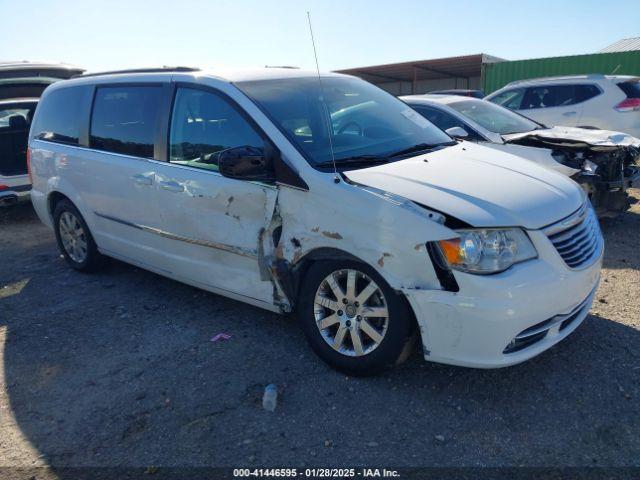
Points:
(21, 83)
(609, 102)
(333, 199)
(604, 163)
(459, 91)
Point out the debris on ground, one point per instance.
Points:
(220, 337)
(270, 397)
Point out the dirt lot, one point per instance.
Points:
(117, 369)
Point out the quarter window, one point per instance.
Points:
(203, 124)
(60, 114)
(124, 119)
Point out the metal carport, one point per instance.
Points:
(425, 75)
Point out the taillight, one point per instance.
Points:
(4, 187)
(29, 164)
(628, 105)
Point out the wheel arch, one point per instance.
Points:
(53, 199)
(298, 270)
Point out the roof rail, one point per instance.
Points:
(557, 77)
(140, 70)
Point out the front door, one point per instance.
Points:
(211, 225)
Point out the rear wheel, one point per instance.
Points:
(74, 238)
(353, 320)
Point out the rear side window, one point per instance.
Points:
(586, 92)
(60, 115)
(630, 89)
(124, 119)
(546, 97)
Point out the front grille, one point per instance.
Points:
(540, 330)
(577, 239)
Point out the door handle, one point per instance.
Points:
(142, 179)
(171, 186)
(568, 114)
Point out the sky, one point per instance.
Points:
(103, 35)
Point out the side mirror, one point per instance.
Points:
(457, 132)
(246, 163)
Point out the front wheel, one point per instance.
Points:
(353, 320)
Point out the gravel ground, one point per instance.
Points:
(116, 369)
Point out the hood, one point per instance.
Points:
(541, 156)
(588, 136)
(478, 185)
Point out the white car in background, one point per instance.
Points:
(602, 101)
(604, 163)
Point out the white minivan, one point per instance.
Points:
(321, 195)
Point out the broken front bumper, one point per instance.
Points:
(489, 322)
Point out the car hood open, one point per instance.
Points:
(478, 185)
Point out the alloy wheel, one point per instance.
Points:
(351, 312)
(73, 237)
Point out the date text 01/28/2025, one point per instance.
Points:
(316, 472)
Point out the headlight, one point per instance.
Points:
(487, 250)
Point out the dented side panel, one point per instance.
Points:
(219, 222)
(379, 231)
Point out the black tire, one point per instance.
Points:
(94, 260)
(388, 351)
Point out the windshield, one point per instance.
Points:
(493, 117)
(365, 120)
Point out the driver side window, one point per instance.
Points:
(204, 124)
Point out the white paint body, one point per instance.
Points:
(595, 112)
(480, 186)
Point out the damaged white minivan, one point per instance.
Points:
(325, 196)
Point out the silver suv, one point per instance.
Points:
(603, 101)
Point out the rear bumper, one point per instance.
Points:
(13, 195)
(486, 323)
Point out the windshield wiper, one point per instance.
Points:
(421, 147)
(356, 160)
